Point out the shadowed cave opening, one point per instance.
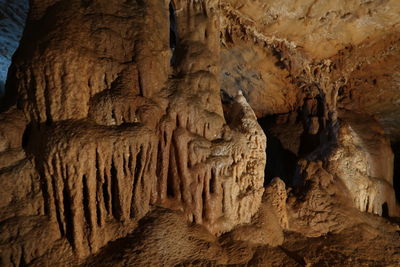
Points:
(284, 161)
(290, 137)
(385, 210)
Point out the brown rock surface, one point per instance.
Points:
(136, 135)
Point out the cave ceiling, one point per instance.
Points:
(274, 50)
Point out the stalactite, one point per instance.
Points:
(102, 164)
(111, 180)
(220, 173)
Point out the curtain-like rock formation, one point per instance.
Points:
(110, 134)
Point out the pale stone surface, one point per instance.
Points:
(276, 196)
(363, 161)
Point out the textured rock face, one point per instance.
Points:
(364, 162)
(113, 130)
(310, 94)
(137, 121)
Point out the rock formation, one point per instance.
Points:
(132, 133)
(12, 22)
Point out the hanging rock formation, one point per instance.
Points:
(117, 138)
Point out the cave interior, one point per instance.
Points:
(199, 133)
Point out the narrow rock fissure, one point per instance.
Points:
(85, 200)
(106, 195)
(26, 136)
(173, 33)
(98, 191)
(385, 210)
(212, 181)
(138, 167)
(170, 179)
(115, 202)
(69, 225)
(57, 203)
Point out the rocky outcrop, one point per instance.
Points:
(363, 161)
(307, 92)
(107, 139)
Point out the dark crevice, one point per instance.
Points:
(98, 190)
(138, 167)
(159, 159)
(136, 176)
(170, 185)
(85, 199)
(130, 160)
(308, 143)
(293, 255)
(228, 36)
(57, 205)
(106, 196)
(227, 102)
(367, 205)
(26, 136)
(385, 210)
(46, 194)
(69, 225)
(86, 3)
(204, 199)
(140, 84)
(49, 119)
(277, 53)
(148, 165)
(98, 210)
(22, 261)
(303, 133)
(115, 202)
(173, 33)
(171, 174)
(281, 162)
(212, 181)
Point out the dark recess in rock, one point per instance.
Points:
(281, 162)
(173, 33)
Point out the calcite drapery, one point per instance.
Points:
(114, 130)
